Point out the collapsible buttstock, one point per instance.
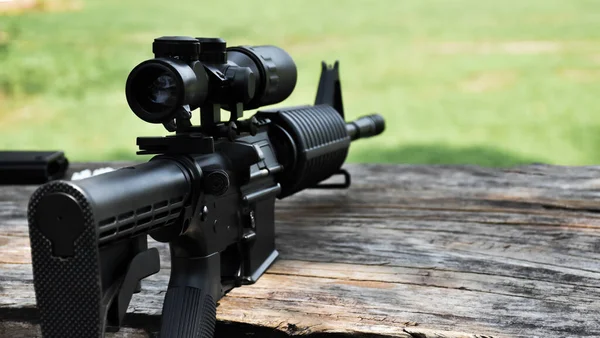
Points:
(67, 278)
(88, 237)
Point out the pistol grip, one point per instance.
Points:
(190, 309)
(188, 312)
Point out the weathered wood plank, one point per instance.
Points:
(408, 251)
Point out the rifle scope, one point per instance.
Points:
(193, 72)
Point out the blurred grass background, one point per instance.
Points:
(485, 82)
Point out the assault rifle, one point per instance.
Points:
(209, 190)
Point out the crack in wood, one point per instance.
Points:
(417, 284)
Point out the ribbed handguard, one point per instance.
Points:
(321, 144)
(188, 312)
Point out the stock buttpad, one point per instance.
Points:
(65, 259)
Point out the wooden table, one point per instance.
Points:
(407, 251)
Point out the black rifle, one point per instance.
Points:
(209, 192)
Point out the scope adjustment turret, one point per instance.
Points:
(180, 47)
(213, 50)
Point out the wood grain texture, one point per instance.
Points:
(407, 251)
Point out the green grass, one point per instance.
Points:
(459, 81)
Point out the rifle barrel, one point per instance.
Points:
(366, 126)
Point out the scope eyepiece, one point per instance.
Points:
(157, 88)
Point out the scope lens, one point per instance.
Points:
(155, 90)
(163, 90)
